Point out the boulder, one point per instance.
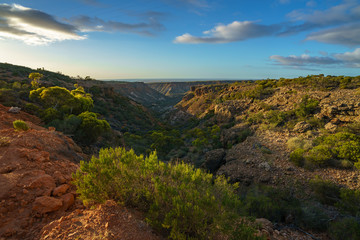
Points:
(46, 204)
(14, 110)
(331, 127)
(265, 165)
(214, 159)
(67, 201)
(61, 190)
(302, 127)
(43, 185)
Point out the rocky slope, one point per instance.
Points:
(263, 158)
(179, 88)
(37, 199)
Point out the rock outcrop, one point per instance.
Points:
(35, 176)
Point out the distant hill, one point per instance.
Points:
(180, 88)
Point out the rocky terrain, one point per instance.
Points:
(263, 157)
(173, 89)
(37, 199)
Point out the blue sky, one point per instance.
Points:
(207, 39)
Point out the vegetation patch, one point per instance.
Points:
(180, 200)
(20, 125)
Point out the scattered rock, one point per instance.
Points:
(265, 165)
(302, 127)
(43, 184)
(67, 201)
(46, 204)
(331, 127)
(14, 110)
(61, 190)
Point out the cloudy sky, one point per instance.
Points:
(207, 39)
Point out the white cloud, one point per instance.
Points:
(345, 35)
(94, 24)
(303, 60)
(33, 27)
(235, 31)
(352, 59)
(347, 59)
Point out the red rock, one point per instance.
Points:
(61, 190)
(44, 183)
(67, 201)
(59, 177)
(46, 204)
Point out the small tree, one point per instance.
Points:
(35, 77)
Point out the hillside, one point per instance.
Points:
(273, 114)
(291, 145)
(173, 89)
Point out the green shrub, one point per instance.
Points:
(347, 228)
(350, 201)
(271, 203)
(313, 217)
(20, 125)
(325, 191)
(297, 157)
(91, 128)
(306, 107)
(33, 109)
(243, 134)
(319, 155)
(182, 201)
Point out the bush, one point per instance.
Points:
(325, 191)
(271, 203)
(20, 125)
(306, 107)
(319, 155)
(350, 201)
(91, 128)
(314, 217)
(297, 157)
(346, 228)
(185, 202)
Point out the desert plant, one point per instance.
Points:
(325, 191)
(345, 228)
(297, 157)
(20, 125)
(182, 201)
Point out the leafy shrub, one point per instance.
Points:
(350, 201)
(91, 127)
(297, 157)
(271, 203)
(185, 202)
(341, 149)
(306, 107)
(325, 191)
(347, 228)
(243, 134)
(313, 217)
(33, 109)
(320, 155)
(20, 125)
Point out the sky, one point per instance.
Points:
(183, 39)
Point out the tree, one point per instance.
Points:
(91, 127)
(35, 77)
